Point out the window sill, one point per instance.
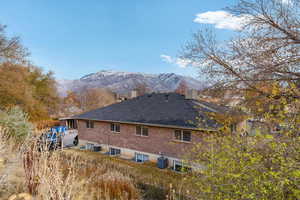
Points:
(115, 132)
(181, 141)
(116, 155)
(144, 136)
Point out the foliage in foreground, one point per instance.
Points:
(23, 84)
(260, 167)
(15, 125)
(57, 176)
(29, 88)
(153, 183)
(259, 65)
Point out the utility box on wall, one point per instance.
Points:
(162, 162)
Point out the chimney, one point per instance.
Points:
(191, 94)
(133, 93)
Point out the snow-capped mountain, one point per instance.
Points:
(124, 82)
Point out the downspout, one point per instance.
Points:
(108, 141)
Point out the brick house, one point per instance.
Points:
(146, 127)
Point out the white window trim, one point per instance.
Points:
(90, 145)
(176, 162)
(181, 132)
(143, 155)
(71, 124)
(115, 149)
(114, 131)
(90, 122)
(181, 162)
(142, 131)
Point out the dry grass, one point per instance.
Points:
(57, 176)
(78, 175)
(11, 171)
(152, 182)
(112, 185)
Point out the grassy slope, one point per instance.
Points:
(153, 182)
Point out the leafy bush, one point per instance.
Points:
(15, 123)
(260, 167)
(29, 88)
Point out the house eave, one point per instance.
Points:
(147, 124)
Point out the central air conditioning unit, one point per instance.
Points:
(162, 162)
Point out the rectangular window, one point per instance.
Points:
(72, 124)
(186, 136)
(144, 131)
(182, 135)
(141, 157)
(177, 134)
(114, 151)
(89, 146)
(89, 124)
(138, 130)
(115, 127)
(179, 166)
(141, 131)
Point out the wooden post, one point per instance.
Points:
(62, 141)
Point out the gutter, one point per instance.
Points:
(147, 124)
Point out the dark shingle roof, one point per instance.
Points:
(168, 109)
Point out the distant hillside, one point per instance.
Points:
(124, 82)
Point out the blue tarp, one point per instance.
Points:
(59, 129)
(52, 135)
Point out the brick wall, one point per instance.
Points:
(159, 139)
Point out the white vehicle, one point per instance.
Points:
(70, 138)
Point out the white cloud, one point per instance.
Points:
(288, 2)
(177, 61)
(222, 19)
(166, 58)
(182, 62)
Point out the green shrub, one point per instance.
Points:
(15, 124)
(260, 167)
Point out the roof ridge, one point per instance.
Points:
(167, 108)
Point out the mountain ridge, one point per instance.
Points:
(123, 82)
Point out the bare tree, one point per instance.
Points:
(266, 51)
(267, 48)
(11, 49)
(93, 98)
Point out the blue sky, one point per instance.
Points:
(74, 37)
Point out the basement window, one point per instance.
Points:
(179, 166)
(115, 127)
(89, 124)
(114, 151)
(141, 131)
(89, 146)
(141, 157)
(182, 135)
